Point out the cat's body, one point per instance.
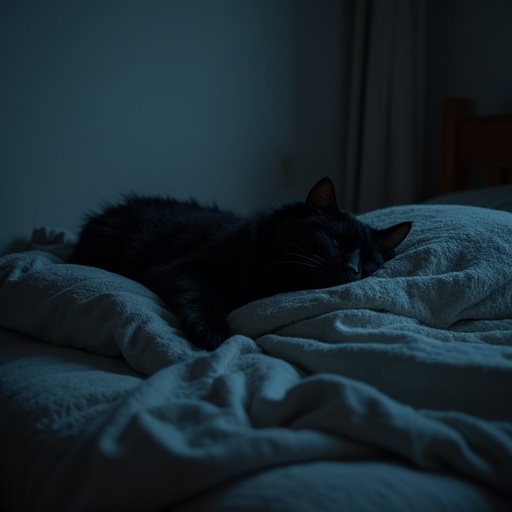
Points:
(204, 262)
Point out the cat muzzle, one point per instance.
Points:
(352, 266)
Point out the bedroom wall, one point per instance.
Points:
(183, 97)
(469, 54)
(233, 101)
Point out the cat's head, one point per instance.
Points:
(317, 245)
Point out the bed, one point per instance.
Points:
(391, 394)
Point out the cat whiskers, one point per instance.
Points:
(316, 259)
(287, 262)
(312, 263)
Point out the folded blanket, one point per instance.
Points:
(89, 308)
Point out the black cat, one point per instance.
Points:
(204, 262)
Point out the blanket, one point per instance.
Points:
(414, 362)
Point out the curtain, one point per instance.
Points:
(384, 70)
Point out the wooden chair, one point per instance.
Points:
(472, 142)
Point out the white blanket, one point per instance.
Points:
(414, 362)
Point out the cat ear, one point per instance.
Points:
(322, 197)
(394, 235)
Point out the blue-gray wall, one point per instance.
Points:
(195, 98)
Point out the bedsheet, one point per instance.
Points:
(408, 371)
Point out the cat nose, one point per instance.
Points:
(352, 270)
(352, 265)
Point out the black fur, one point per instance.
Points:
(204, 262)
